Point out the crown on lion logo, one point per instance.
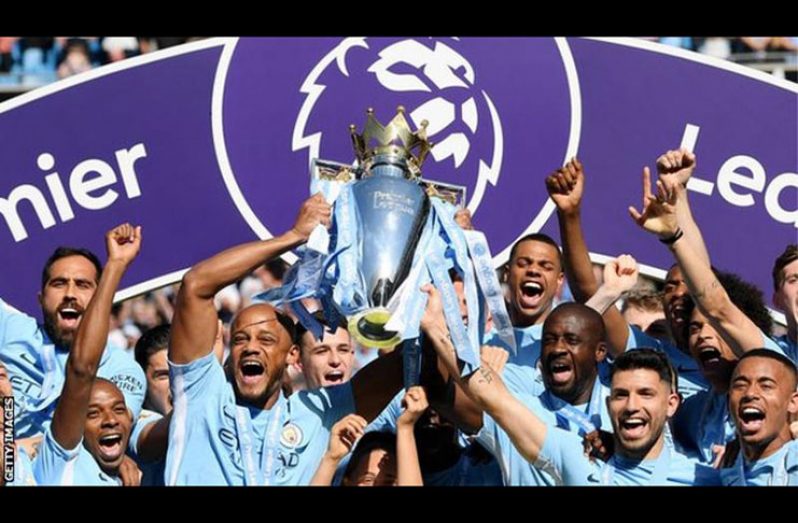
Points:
(396, 138)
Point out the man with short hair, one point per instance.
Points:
(643, 309)
(534, 277)
(447, 456)
(391, 465)
(327, 361)
(36, 355)
(150, 354)
(373, 462)
(573, 400)
(660, 216)
(785, 297)
(153, 422)
(762, 398)
(702, 426)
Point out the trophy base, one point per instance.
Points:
(368, 328)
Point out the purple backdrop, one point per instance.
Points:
(208, 145)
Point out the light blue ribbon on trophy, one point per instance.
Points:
(305, 277)
(310, 267)
(341, 295)
(349, 291)
(489, 283)
(445, 213)
(331, 313)
(276, 296)
(307, 320)
(301, 280)
(319, 239)
(567, 413)
(309, 273)
(466, 351)
(411, 360)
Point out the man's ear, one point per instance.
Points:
(792, 405)
(601, 351)
(673, 403)
(293, 355)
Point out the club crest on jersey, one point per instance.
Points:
(291, 437)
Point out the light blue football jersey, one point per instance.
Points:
(28, 353)
(562, 456)
(777, 470)
(55, 465)
(215, 441)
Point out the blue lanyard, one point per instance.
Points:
(260, 473)
(49, 384)
(489, 284)
(445, 212)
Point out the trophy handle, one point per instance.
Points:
(454, 194)
(334, 171)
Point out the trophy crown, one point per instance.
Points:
(396, 138)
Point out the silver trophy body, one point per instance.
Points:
(393, 210)
(393, 203)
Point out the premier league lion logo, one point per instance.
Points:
(432, 80)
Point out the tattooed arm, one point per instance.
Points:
(526, 430)
(737, 329)
(485, 387)
(659, 217)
